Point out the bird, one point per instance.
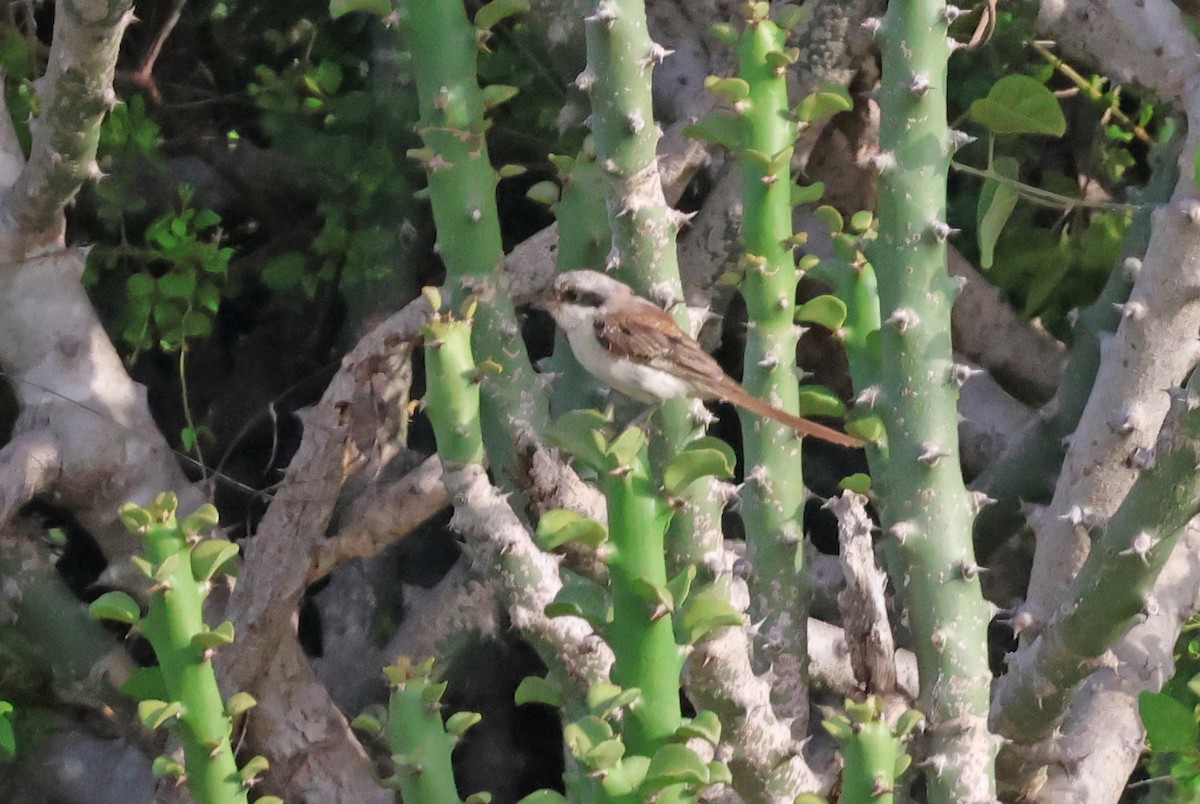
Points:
(634, 346)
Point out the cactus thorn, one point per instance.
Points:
(931, 453)
(1132, 310)
(872, 25)
(1190, 208)
(919, 85)
(882, 161)
(901, 531)
(868, 396)
(970, 570)
(606, 13)
(903, 318)
(960, 139)
(942, 231)
(1131, 267)
(961, 372)
(1140, 547)
(951, 13)
(1142, 458)
(585, 80)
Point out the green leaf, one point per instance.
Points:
(164, 765)
(535, 689)
(367, 724)
(706, 609)
(1018, 104)
(178, 285)
(491, 13)
(116, 606)
(8, 738)
(146, 683)
(187, 437)
(828, 311)
(210, 556)
(705, 725)
(139, 286)
(817, 400)
(580, 597)
(153, 714)
(239, 704)
(861, 221)
(721, 128)
(213, 638)
(627, 446)
(458, 723)
(681, 585)
(997, 200)
(482, 797)
(1170, 725)
(830, 217)
(560, 526)
(584, 734)
(703, 457)
(674, 764)
(604, 755)
(730, 90)
(544, 192)
(580, 433)
(858, 482)
(824, 103)
(496, 94)
(603, 698)
(807, 193)
(164, 571)
(254, 766)
(544, 797)
(622, 782)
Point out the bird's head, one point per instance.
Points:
(576, 297)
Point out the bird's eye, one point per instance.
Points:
(571, 296)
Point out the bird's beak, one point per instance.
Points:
(546, 299)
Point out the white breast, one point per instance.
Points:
(639, 382)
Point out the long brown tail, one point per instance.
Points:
(739, 396)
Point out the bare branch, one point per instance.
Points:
(75, 94)
(29, 465)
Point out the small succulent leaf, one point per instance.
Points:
(1170, 725)
(1018, 104)
(210, 556)
(203, 518)
(817, 400)
(826, 310)
(433, 297)
(543, 192)
(997, 200)
(8, 737)
(167, 568)
(908, 722)
(839, 727)
(577, 433)
(807, 193)
(730, 90)
(703, 457)
(720, 128)
(705, 726)
(625, 449)
(458, 723)
(707, 608)
(153, 714)
(674, 764)
(604, 698)
(653, 593)
(432, 693)
(135, 517)
(213, 638)
(861, 221)
(239, 704)
(681, 584)
(367, 724)
(511, 171)
(560, 526)
(789, 16)
(482, 797)
(535, 689)
(829, 100)
(725, 32)
(830, 217)
(719, 773)
(163, 766)
(339, 8)
(496, 94)
(582, 735)
(604, 755)
(544, 797)
(869, 429)
(254, 766)
(144, 566)
(580, 597)
(626, 778)
(117, 606)
(496, 11)
(859, 483)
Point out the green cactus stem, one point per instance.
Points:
(462, 185)
(179, 565)
(925, 506)
(872, 750)
(420, 743)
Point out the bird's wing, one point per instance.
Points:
(649, 336)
